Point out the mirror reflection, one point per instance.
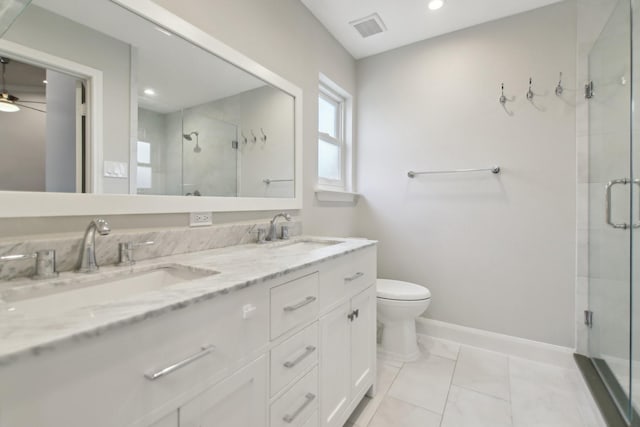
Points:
(41, 121)
(177, 120)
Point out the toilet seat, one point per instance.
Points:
(401, 291)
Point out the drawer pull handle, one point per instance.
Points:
(307, 351)
(306, 301)
(181, 364)
(309, 397)
(358, 275)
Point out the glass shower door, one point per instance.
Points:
(610, 201)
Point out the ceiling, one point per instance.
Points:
(409, 21)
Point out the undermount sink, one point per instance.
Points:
(86, 292)
(303, 245)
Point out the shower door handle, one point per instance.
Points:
(636, 182)
(610, 185)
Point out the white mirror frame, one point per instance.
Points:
(37, 204)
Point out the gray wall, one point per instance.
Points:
(497, 252)
(27, 129)
(61, 132)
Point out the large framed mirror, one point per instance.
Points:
(119, 106)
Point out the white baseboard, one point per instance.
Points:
(513, 346)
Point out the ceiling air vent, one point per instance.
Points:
(369, 25)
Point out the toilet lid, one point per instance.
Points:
(401, 291)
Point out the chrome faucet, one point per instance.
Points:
(88, 262)
(271, 235)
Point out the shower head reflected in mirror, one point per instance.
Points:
(189, 137)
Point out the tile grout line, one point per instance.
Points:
(385, 394)
(453, 373)
(510, 392)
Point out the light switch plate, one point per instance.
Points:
(200, 219)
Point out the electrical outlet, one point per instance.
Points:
(200, 219)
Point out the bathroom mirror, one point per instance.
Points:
(158, 108)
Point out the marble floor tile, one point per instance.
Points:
(468, 408)
(483, 371)
(364, 412)
(437, 347)
(424, 383)
(396, 413)
(384, 358)
(542, 395)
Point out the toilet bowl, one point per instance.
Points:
(398, 305)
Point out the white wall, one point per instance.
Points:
(497, 252)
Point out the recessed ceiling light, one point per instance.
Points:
(436, 4)
(45, 82)
(149, 92)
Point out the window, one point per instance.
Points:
(144, 165)
(331, 138)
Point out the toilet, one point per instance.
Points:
(398, 305)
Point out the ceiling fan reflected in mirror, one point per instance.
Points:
(8, 102)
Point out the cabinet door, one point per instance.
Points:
(238, 401)
(335, 363)
(363, 341)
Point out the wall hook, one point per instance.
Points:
(502, 99)
(530, 93)
(253, 137)
(263, 138)
(244, 138)
(559, 88)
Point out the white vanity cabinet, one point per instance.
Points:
(294, 351)
(347, 335)
(238, 401)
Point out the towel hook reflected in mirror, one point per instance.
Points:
(502, 99)
(559, 88)
(530, 93)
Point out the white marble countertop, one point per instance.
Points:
(27, 331)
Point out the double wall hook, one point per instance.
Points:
(503, 98)
(244, 138)
(530, 93)
(559, 88)
(253, 137)
(263, 138)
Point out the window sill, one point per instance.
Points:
(333, 195)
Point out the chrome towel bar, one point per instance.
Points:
(269, 181)
(494, 169)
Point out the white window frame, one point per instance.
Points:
(340, 140)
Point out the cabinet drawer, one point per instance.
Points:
(312, 421)
(346, 276)
(239, 400)
(293, 357)
(294, 407)
(293, 303)
(60, 388)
